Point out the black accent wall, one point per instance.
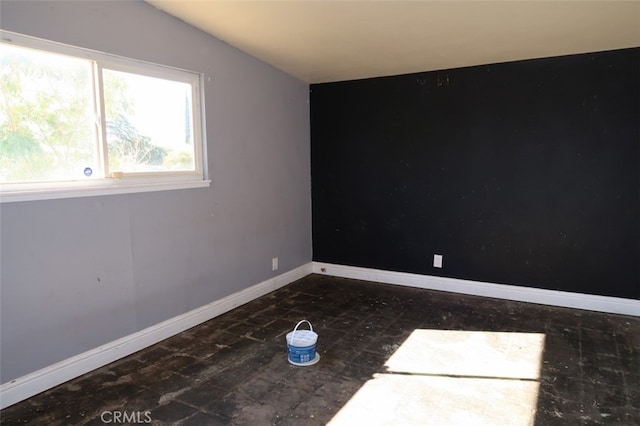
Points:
(523, 173)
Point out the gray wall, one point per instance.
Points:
(78, 273)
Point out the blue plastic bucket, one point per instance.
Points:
(301, 345)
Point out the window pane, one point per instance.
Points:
(149, 123)
(47, 124)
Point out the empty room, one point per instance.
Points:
(319, 212)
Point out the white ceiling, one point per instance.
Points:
(321, 41)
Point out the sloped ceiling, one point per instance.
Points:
(322, 41)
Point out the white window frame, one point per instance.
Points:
(129, 182)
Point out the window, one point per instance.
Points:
(75, 122)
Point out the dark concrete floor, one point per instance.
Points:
(234, 370)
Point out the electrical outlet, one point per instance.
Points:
(274, 264)
(437, 261)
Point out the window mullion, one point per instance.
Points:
(101, 126)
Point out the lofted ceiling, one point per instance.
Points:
(322, 41)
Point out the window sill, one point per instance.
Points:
(98, 188)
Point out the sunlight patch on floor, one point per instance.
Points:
(453, 377)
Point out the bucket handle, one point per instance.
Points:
(293, 335)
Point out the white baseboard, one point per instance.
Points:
(33, 383)
(612, 305)
(60, 372)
